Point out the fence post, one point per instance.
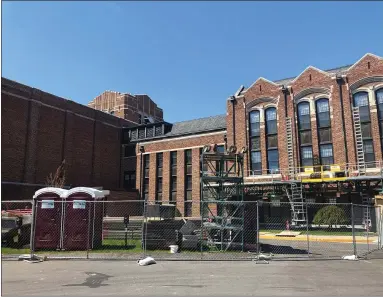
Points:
(33, 224)
(89, 230)
(257, 240)
(307, 230)
(353, 228)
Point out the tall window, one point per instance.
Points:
(272, 140)
(255, 142)
(159, 178)
(324, 132)
(146, 176)
(305, 139)
(361, 101)
(379, 104)
(188, 183)
(218, 166)
(173, 178)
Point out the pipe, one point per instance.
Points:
(246, 136)
(296, 138)
(339, 80)
(233, 101)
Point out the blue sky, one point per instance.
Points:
(188, 56)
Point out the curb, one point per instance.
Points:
(313, 239)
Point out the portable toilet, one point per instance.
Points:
(83, 217)
(47, 218)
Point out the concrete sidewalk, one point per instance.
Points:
(319, 238)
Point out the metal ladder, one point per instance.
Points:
(290, 148)
(297, 204)
(359, 141)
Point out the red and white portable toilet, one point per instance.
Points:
(83, 217)
(47, 218)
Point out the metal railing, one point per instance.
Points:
(304, 172)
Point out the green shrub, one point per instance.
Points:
(330, 215)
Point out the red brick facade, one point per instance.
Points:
(39, 130)
(310, 85)
(130, 107)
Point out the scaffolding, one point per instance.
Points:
(222, 200)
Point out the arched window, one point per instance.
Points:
(305, 139)
(379, 104)
(361, 101)
(324, 131)
(255, 142)
(272, 140)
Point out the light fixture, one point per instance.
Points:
(206, 148)
(232, 149)
(244, 150)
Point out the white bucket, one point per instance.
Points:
(173, 249)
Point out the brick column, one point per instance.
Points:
(32, 143)
(152, 177)
(196, 182)
(180, 181)
(166, 177)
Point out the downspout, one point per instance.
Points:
(296, 141)
(284, 90)
(246, 133)
(233, 100)
(339, 80)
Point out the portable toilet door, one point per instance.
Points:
(79, 218)
(47, 219)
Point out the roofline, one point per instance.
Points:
(188, 135)
(364, 56)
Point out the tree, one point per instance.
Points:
(58, 179)
(330, 215)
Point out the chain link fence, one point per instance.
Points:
(132, 230)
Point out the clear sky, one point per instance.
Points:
(188, 56)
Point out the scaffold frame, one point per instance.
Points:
(222, 200)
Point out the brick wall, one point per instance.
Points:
(180, 145)
(264, 93)
(39, 130)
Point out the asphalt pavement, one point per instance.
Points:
(183, 278)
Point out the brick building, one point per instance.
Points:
(319, 104)
(40, 130)
(161, 159)
(138, 109)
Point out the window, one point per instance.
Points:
(255, 123)
(324, 131)
(255, 142)
(307, 156)
(146, 176)
(361, 100)
(188, 183)
(218, 166)
(173, 177)
(304, 116)
(129, 180)
(159, 177)
(130, 151)
(326, 154)
(379, 104)
(272, 140)
(256, 163)
(305, 136)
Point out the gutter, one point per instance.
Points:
(339, 80)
